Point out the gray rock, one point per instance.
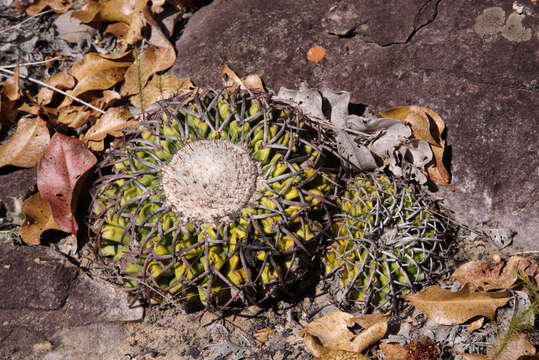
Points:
(474, 63)
(46, 302)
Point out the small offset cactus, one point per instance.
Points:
(216, 195)
(386, 242)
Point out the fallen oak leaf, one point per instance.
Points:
(58, 6)
(429, 126)
(232, 81)
(9, 99)
(38, 218)
(111, 123)
(62, 81)
(451, 308)
(161, 87)
(59, 173)
(75, 116)
(27, 144)
(96, 72)
(426, 124)
(489, 276)
(332, 331)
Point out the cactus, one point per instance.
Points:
(386, 242)
(214, 193)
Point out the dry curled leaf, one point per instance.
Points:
(491, 276)
(9, 99)
(111, 123)
(426, 125)
(38, 218)
(232, 81)
(332, 332)
(316, 54)
(474, 325)
(62, 81)
(59, 172)
(74, 116)
(263, 334)
(452, 308)
(161, 87)
(58, 6)
(95, 72)
(27, 144)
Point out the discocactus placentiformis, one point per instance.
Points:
(215, 193)
(386, 242)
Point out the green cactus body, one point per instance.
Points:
(215, 192)
(386, 241)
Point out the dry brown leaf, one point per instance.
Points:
(161, 87)
(95, 72)
(426, 124)
(9, 99)
(437, 171)
(75, 116)
(429, 126)
(474, 325)
(452, 308)
(333, 333)
(489, 276)
(58, 6)
(517, 346)
(38, 218)
(394, 351)
(232, 80)
(111, 123)
(316, 54)
(60, 81)
(263, 334)
(109, 10)
(27, 144)
(152, 60)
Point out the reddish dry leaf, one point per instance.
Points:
(111, 123)
(491, 276)
(517, 346)
(159, 88)
(59, 172)
(316, 54)
(27, 144)
(60, 81)
(333, 331)
(38, 218)
(452, 308)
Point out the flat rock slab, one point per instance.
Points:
(52, 310)
(475, 63)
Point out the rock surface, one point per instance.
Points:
(53, 311)
(475, 63)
